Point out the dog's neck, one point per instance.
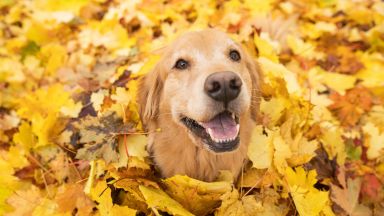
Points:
(174, 151)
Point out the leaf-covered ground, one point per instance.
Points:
(70, 138)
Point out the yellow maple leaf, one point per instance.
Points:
(49, 100)
(338, 82)
(108, 33)
(45, 128)
(25, 201)
(11, 70)
(25, 137)
(317, 29)
(53, 56)
(230, 203)
(275, 70)
(16, 157)
(71, 109)
(42, 108)
(148, 65)
(376, 116)
(101, 193)
(136, 146)
(374, 141)
(158, 199)
(259, 6)
(266, 47)
(268, 147)
(248, 205)
(373, 72)
(60, 5)
(274, 109)
(41, 33)
(261, 149)
(197, 196)
(302, 149)
(70, 197)
(308, 200)
(282, 152)
(302, 48)
(8, 184)
(121, 96)
(334, 144)
(47, 207)
(259, 178)
(97, 99)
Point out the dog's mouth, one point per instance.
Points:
(220, 134)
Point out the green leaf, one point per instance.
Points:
(31, 48)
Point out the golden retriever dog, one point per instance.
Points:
(199, 105)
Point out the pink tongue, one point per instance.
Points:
(222, 126)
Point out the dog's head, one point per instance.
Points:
(206, 83)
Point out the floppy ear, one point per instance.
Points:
(150, 90)
(257, 78)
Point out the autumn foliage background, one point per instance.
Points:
(70, 138)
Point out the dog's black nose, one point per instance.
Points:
(223, 86)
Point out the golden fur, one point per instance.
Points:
(165, 93)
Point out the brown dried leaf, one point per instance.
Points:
(349, 107)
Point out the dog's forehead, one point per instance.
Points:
(206, 36)
(203, 42)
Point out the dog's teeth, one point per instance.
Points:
(209, 131)
(233, 115)
(238, 128)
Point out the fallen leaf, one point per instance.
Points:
(347, 196)
(374, 141)
(196, 196)
(371, 186)
(352, 105)
(261, 149)
(71, 197)
(158, 199)
(100, 137)
(101, 193)
(308, 200)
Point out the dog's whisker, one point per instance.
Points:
(169, 113)
(255, 89)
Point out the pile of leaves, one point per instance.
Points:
(71, 142)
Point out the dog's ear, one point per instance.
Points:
(149, 94)
(257, 79)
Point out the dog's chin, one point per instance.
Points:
(218, 135)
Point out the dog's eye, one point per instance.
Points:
(234, 55)
(181, 64)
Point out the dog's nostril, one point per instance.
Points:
(215, 87)
(235, 83)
